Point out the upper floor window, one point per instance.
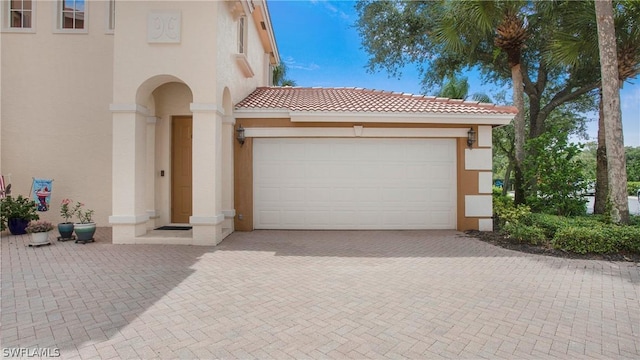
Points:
(71, 14)
(242, 35)
(18, 14)
(111, 21)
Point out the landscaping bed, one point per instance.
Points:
(499, 239)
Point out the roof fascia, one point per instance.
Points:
(266, 17)
(342, 117)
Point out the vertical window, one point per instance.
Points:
(72, 14)
(242, 35)
(20, 14)
(111, 25)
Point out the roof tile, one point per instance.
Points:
(361, 100)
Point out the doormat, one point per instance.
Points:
(169, 227)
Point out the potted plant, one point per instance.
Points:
(16, 213)
(86, 228)
(39, 231)
(66, 228)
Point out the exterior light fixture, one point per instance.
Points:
(471, 138)
(240, 135)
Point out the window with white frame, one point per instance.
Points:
(18, 14)
(72, 14)
(111, 21)
(242, 35)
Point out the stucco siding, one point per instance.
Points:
(55, 119)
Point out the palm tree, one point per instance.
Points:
(575, 44)
(458, 88)
(472, 22)
(279, 76)
(611, 111)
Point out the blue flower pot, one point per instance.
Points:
(84, 232)
(65, 230)
(18, 226)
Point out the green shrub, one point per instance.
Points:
(506, 212)
(525, 233)
(633, 187)
(548, 223)
(627, 237)
(582, 239)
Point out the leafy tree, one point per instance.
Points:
(558, 171)
(617, 174)
(575, 44)
(444, 37)
(633, 163)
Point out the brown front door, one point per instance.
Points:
(181, 195)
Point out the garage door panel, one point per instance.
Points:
(354, 184)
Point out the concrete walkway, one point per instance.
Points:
(315, 295)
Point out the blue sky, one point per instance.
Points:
(317, 41)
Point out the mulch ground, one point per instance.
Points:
(496, 238)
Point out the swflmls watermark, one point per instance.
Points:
(30, 352)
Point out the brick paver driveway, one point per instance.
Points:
(308, 295)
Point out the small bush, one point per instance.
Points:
(525, 233)
(582, 240)
(548, 223)
(633, 187)
(627, 237)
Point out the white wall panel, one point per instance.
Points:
(478, 159)
(478, 205)
(485, 182)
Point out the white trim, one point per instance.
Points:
(57, 25)
(107, 29)
(128, 219)
(354, 132)
(378, 117)
(129, 108)
(485, 182)
(243, 64)
(229, 214)
(478, 205)
(484, 136)
(478, 159)
(485, 224)
(226, 119)
(152, 120)
(6, 19)
(152, 214)
(206, 220)
(204, 107)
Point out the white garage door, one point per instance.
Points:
(362, 183)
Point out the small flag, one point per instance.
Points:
(42, 193)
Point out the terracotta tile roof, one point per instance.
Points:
(362, 101)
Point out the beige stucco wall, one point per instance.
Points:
(56, 124)
(197, 75)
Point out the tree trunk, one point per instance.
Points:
(602, 183)
(519, 129)
(507, 179)
(617, 173)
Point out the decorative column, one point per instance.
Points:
(228, 139)
(129, 217)
(207, 215)
(151, 173)
(480, 160)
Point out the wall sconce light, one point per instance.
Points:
(240, 135)
(471, 138)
